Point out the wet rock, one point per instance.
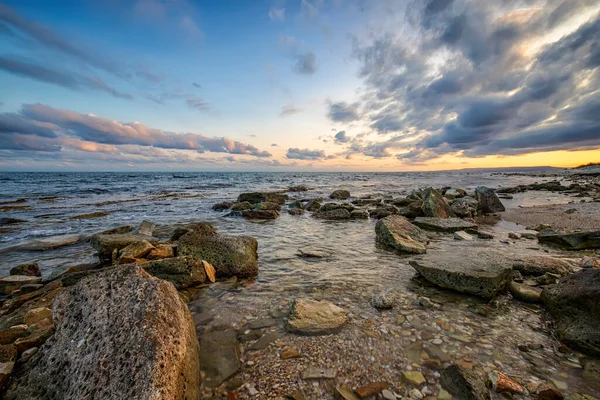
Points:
(435, 206)
(260, 214)
(525, 293)
(454, 193)
(319, 373)
(514, 235)
(344, 393)
(298, 188)
(479, 272)
(97, 214)
(267, 206)
(340, 195)
(573, 303)
(413, 378)
(11, 283)
(50, 243)
(310, 252)
(183, 272)
(243, 206)
(488, 201)
(121, 320)
(161, 251)
(106, 244)
(549, 392)
(118, 230)
(397, 232)
(297, 205)
(444, 224)
(570, 240)
(222, 206)
(464, 384)
(413, 210)
(11, 221)
(591, 373)
(462, 235)
(359, 214)
(367, 202)
(540, 265)
(135, 250)
(313, 205)
(230, 255)
(312, 317)
(258, 197)
(383, 301)
(465, 207)
(485, 235)
(32, 269)
(333, 215)
(146, 228)
(220, 356)
(334, 206)
(371, 389)
(295, 211)
(502, 383)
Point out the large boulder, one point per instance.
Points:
(340, 194)
(540, 265)
(570, 240)
(488, 201)
(312, 317)
(434, 205)
(259, 197)
(119, 334)
(230, 255)
(105, 245)
(397, 232)
(478, 272)
(575, 305)
(444, 224)
(182, 272)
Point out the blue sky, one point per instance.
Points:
(297, 84)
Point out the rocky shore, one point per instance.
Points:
(166, 312)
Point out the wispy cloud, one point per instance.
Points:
(289, 109)
(277, 14)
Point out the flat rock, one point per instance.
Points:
(570, 240)
(397, 232)
(540, 265)
(119, 334)
(574, 304)
(310, 252)
(312, 317)
(444, 224)
(478, 272)
(319, 373)
(462, 235)
(259, 197)
(136, 249)
(106, 244)
(220, 356)
(11, 283)
(50, 243)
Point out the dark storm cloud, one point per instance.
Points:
(306, 63)
(471, 83)
(341, 137)
(27, 143)
(99, 130)
(305, 154)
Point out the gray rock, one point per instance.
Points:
(230, 255)
(340, 195)
(464, 207)
(313, 205)
(478, 272)
(488, 200)
(106, 244)
(336, 214)
(570, 240)
(119, 334)
(359, 214)
(397, 232)
(146, 228)
(220, 357)
(434, 205)
(540, 265)
(312, 317)
(382, 301)
(455, 193)
(444, 224)
(575, 305)
(182, 272)
(464, 384)
(462, 235)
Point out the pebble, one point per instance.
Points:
(387, 395)
(416, 394)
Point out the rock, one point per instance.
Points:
(444, 224)
(210, 271)
(290, 353)
(119, 229)
(415, 394)
(312, 317)
(318, 373)
(120, 320)
(344, 393)
(8, 356)
(589, 262)
(359, 214)
(106, 244)
(388, 395)
(334, 206)
(435, 206)
(8, 336)
(183, 272)
(444, 395)
(413, 378)
(465, 207)
(260, 214)
(11, 283)
(297, 205)
(591, 373)
(549, 392)
(413, 210)
(579, 396)
(528, 235)
(573, 303)
(340, 195)
(334, 215)
(454, 193)
(220, 356)
(230, 255)
(97, 214)
(146, 228)
(524, 292)
(514, 235)
(488, 201)
(27, 354)
(243, 206)
(267, 206)
(161, 251)
(32, 269)
(540, 265)
(50, 243)
(309, 252)
(36, 315)
(462, 235)
(35, 339)
(295, 211)
(313, 205)
(478, 272)
(397, 232)
(298, 188)
(424, 301)
(225, 205)
(485, 235)
(383, 301)
(502, 383)
(570, 240)
(136, 250)
(464, 384)
(258, 197)
(371, 389)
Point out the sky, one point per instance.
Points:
(298, 85)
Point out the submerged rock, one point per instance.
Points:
(146, 228)
(222, 206)
(570, 240)
(488, 201)
(106, 244)
(230, 255)
(574, 304)
(340, 195)
(434, 205)
(312, 317)
(31, 269)
(397, 232)
(540, 265)
(119, 334)
(444, 224)
(220, 356)
(464, 384)
(383, 301)
(481, 273)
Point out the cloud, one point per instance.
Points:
(197, 85)
(343, 112)
(189, 26)
(341, 137)
(289, 109)
(197, 103)
(277, 14)
(306, 63)
(305, 60)
(305, 154)
(27, 143)
(274, 145)
(35, 119)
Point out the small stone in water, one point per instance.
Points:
(383, 301)
(462, 235)
(387, 395)
(425, 302)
